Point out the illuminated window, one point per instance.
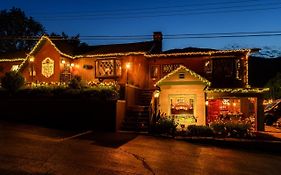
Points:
(15, 68)
(238, 69)
(208, 66)
(108, 68)
(154, 71)
(167, 68)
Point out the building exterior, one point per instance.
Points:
(196, 86)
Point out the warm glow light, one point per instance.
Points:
(72, 64)
(63, 61)
(207, 103)
(128, 65)
(31, 59)
(156, 94)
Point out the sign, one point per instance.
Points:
(48, 67)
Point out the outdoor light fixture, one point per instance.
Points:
(128, 66)
(63, 61)
(72, 64)
(31, 59)
(207, 103)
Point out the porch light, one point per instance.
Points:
(31, 59)
(72, 64)
(128, 65)
(63, 61)
(207, 103)
(156, 94)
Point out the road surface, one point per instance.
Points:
(31, 150)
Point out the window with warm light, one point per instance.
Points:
(108, 68)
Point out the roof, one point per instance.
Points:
(181, 67)
(13, 55)
(146, 47)
(188, 49)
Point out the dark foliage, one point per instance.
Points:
(14, 27)
(199, 130)
(262, 69)
(75, 82)
(12, 81)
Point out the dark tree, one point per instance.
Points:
(73, 41)
(17, 31)
(275, 87)
(12, 81)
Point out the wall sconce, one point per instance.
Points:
(63, 61)
(207, 103)
(31, 59)
(72, 64)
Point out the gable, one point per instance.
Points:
(182, 76)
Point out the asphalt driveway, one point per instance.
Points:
(27, 149)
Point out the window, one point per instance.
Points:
(238, 69)
(15, 67)
(167, 68)
(181, 75)
(108, 68)
(208, 66)
(154, 71)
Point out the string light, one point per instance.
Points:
(12, 60)
(148, 55)
(237, 90)
(187, 70)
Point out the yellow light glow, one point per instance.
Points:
(31, 59)
(207, 103)
(128, 65)
(156, 94)
(63, 61)
(72, 64)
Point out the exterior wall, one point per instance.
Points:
(46, 50)
(187, 87)
(80, 69)
(7, 65)
(196, 90)
(137, 74)
(195, 64)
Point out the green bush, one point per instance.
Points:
(75, 82)
(165, 125)
(231, 129)
(199, 130)
(12, 81)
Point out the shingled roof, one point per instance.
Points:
(13, 55)
(188, 49)
(146, 47)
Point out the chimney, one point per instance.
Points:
(157, 38)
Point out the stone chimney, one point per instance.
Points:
(157, 38)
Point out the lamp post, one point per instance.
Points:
(31, 60)
(128, 66)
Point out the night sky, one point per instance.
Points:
(171, 17)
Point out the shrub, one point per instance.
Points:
(75, 82)
(231, 129)
(199, 130)
(238, 129)
(12, 81)
(165, 125)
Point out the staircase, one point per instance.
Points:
(137, 116)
